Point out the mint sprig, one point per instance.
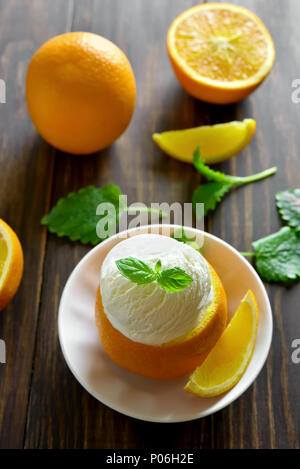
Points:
(288, 204)
(75, 215)
(277, 256)
(212, 193)
(137, 271)
(218, 176)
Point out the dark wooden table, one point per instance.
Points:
(41, 403)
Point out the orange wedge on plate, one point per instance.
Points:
(220, 52)
(11, 264)
(228, 360)
(218, 142)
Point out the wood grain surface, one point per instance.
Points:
(41, 403)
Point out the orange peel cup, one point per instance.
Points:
(172, 359)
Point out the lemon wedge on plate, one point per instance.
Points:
(218, 142)
(228, 360)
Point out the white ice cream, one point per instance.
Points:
(147, 313)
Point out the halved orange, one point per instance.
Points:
(172, 359)
(220, 52)
(228, 360)
(11, 264)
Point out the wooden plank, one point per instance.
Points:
(25, 181)
(270, 415)
(61, 414)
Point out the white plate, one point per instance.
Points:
(143, 398)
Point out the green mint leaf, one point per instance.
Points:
(174, 279)
(210, 194)
(288, 203)
(180, 236)
(136, 270)
(75, 215)
(158, 267)
(218, 176)
(277, 257)
(139, 272)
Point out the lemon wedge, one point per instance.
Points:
(218, 142)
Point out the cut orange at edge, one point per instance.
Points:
(202, 53)
(218, 142)
(228, 360)
(11, 264)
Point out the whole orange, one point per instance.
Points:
(80, 92)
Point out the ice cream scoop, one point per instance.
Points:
(147, 313)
